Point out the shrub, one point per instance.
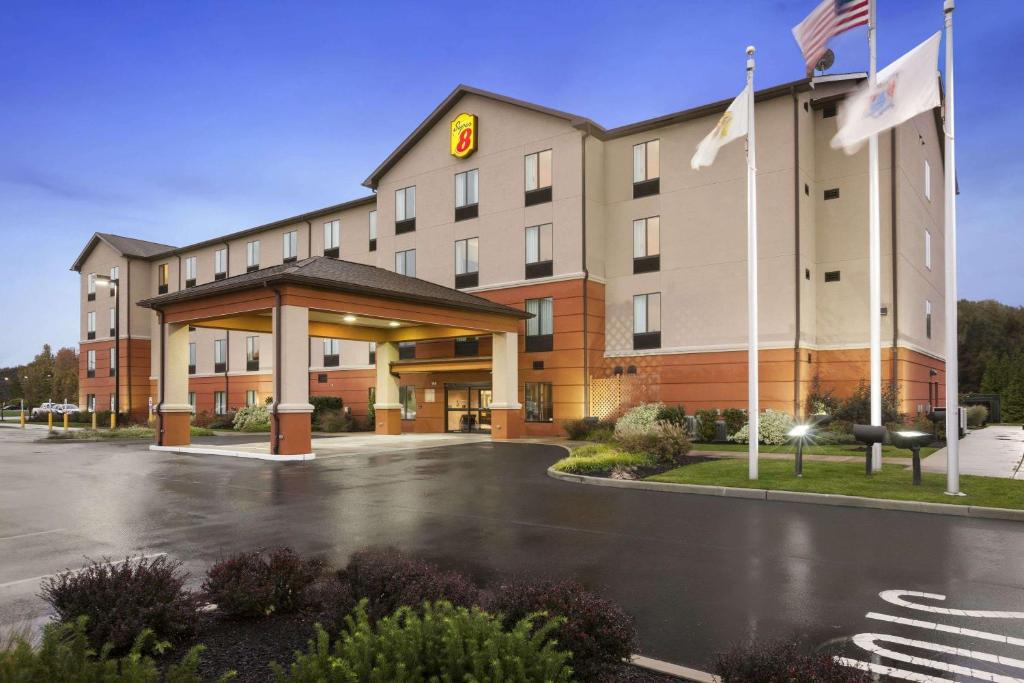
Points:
(597, 459)
(706, 419)
(588, 429)
(856, 408)
(254, 418)
(65, 654)
(977, 416)
(203, 419)
(444, 643)
(387, 579)
(673, 414)
(121, 599)
(642, 416)
(666, 442)
(821, 401)
(783, 662)
(734, 418)
(259, 584)
(225, 421)
(322, 403)
(331, 420)
(774, 429)
(596, 630)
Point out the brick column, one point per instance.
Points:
(506, 410)
(291, 430)
(175, 418)
(387, 409)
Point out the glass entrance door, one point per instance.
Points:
(467, 407)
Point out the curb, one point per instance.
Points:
(975, 511)
(682, 672)
(201, 450)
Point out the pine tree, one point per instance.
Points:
(1013, 402)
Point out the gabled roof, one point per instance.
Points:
(126, 246)
(324, 272)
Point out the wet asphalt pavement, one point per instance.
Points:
(698, 572)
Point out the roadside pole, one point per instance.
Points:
(952, 368)
(753, 411)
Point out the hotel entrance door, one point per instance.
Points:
(467, 407)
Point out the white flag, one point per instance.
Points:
(902, 90)
(731, 126)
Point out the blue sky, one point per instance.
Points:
(179, 121)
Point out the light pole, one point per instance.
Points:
(105, 281)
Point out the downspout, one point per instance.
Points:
(179, 271)
(275, 443)
(163, 377)
(586, 277)
(895, 261)
(796, 238)
(227, 333)
(309, 239)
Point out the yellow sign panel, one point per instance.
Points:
(464, 134)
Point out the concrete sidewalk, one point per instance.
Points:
(995, 451)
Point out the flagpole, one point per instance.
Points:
(952, 362)
(753, 412)
(874, 258)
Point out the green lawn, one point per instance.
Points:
(893, 482)
(813, 449)
(133, 432)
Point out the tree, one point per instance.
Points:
(988, 333)
(1013, 401)
(38, 383)
(10, 383)
(65, 375)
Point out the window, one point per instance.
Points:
(371, 396)
(407, 397)
(252, 256)
(90, 363)
(332, 238)
(539, 328)
(115, 276)
(90, 402)
(927, 180)
(250, 397)
(113, 361)
(290, 245)
(928, 249)
(219, 360)
(405, 210)
(539, 251)
(220, 403)
(90, 283)
(90, 325)
(372, 356)
(163, 277)
(928, 319)
(252, 353)
(191, 358)
(220, 264)
(538, 402)
(373, 230)
(832, 276)
(832, 193)
(331, 353)
(467, 262)
(467, 346)
(647, 245)
(405, 262)
(113, 321)
(646, 168)
(190, 271)
(647, 321)
(192, 400)
(467, 194)
(538, 177)
(406, 350)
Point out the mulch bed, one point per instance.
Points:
(637, 473)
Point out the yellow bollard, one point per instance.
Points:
(94, 420)
(66, 420)
(22, 413)
(113, 420)
(49, 421)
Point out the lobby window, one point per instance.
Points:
(405, 210)
(90, 325)
(90, 363)
(332, 238)
(90, 286)
(538, 402)
(647, 245)
(252, 256)
(467, 263)
(407, 397)
(252, 353)
(646, 168)
(405, 262)
(331, 353)
(115, 276)
(467, 346)
(372, 227)
(163, 276)
(539, 251)
(190, 271)
(191, 358)
(113, 321)
(192, 401)
(927, 249)
(371, 355)
(928, 319)
(538, 178)
(290, 245)
(250, 397)
(406, 350)
(220, 264)
(539, 328)
(220, 363)
(113, 361)
(90, 402)
(647, 321)
(927, 180)
(220, 403)
(467, 194)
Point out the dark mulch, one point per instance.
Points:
(637, 473)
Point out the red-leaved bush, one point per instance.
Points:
(783, 661)
(259, 584)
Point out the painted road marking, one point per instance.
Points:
(8, 584)
(955, 630)
(31, 533)
(896, 598)
(869, 642)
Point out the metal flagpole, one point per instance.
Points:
(874, 259)
(752, 355)
(952, 370)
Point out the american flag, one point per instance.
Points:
(828, 19)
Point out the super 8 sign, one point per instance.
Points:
(463, 135)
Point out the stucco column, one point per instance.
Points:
(291, 430)
(506, 410)
(387, 409)
(174, 428)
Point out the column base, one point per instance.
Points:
(174, 428)
(388, 420)
(506, 423)
(295, 435)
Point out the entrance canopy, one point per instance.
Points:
(330, 298)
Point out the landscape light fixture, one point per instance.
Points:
(869, 435)
(799, 434)
(912, 440)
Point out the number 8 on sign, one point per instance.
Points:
(463, 135)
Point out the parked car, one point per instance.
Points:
(44, 408)
(66, 408)
(11, 407)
